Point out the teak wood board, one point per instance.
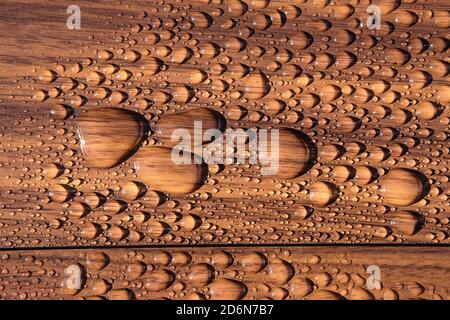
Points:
(86, 118)
(247, 273)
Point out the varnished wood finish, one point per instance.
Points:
(364, 148)
(228, 273)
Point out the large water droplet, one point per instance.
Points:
(201, 275)
(296, 153)
(403, 187)
(257, 85)
(227, 289)
(110, 136)
(155, 167)
(204, 118)
(407, 222)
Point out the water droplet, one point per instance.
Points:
(109, 136)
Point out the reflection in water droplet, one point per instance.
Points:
(407, 222)
(97, 260)
(204, 117)
(90, 230)
(257, 85)
(221, 260)
(155, 167)
(279, 271)
(325, 295)
(200, 275)
(227, 289)
(252, 262)
(403, 187)
(300, 287)
(159, 280)
(61, 193)
(296, 153)
(323, 193)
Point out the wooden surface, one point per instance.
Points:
(86, 118)
(229, 273)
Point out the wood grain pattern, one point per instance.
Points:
(367, 120)
(364, 143)
(228, 273)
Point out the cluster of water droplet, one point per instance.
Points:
(372, 106)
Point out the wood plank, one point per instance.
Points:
(367, 163)
(325, 272)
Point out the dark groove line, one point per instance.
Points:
(225, 246)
